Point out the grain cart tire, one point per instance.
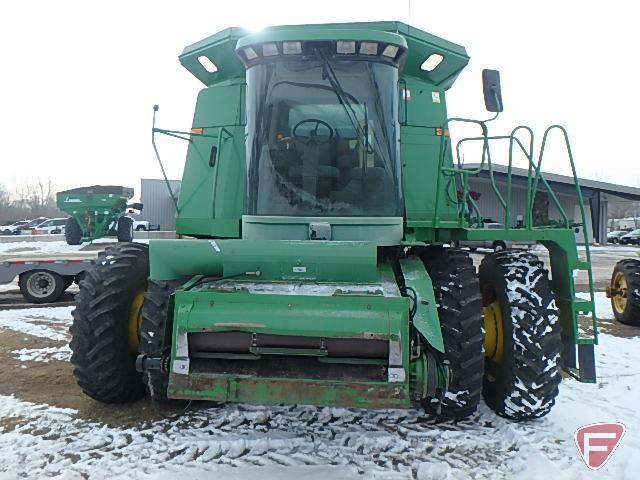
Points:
(499, 246)
(460, 311)
(124, 230)
(41, 286)
(625, 291)
(522, 335)
(72, 232)
(105, 329)
(157, 302)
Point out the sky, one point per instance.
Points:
(79, 79)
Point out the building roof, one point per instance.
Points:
(631, 193)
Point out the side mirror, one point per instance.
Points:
(491, 89)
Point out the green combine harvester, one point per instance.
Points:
(320, 195)
(96, 212)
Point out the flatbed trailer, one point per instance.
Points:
(44, 279)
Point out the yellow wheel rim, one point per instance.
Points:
(135, 317)
(494, 332)
(619, 286)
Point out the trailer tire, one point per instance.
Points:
(41, 286)
(155, 313)
(626, 304)
(124, 230)
(522, 335)
(460, 312)
(104, 330)
(72, 232)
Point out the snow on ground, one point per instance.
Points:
(29, 248)
(396, 444)
(602, 303)
(52, 323)
(24, 248)
(305, 442)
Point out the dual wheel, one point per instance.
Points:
(509, 355)
(501, 332)
(119, 313)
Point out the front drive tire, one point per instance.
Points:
(522, 336)
(625, 288)
(105, 329)
(460, 312)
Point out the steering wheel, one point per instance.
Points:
(313, 138)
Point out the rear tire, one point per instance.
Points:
(460, 312)
(522, 364)
(157, 305)
(626, 306)
(103, 354)
(41, 286)
(125, 229)
(72, 232)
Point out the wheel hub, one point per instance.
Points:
(618, 290)
(40, 285)
(494, 334)
(135, 318)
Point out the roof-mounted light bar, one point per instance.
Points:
(269, 50)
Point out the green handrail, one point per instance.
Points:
(529, 155)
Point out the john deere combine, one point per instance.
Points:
(320, 193)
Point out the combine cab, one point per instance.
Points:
(321, 193)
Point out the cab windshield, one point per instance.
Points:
(322, 139)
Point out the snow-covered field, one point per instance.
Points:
(47, 439)
(242, 441)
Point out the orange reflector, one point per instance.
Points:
(197, 131)
(439, 132)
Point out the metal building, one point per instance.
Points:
(597, 195)
(158, 207)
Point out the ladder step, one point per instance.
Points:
(580, 305)
(583, 265)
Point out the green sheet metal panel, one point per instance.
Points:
(348, 316)
(231, 388)
(275, 259)
(426, 318)
(211, 198)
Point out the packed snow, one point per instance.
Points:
(305, 442)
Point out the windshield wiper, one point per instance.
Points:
(342, 98)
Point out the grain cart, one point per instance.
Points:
(97, 211)
(320, 193)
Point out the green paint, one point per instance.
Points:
(261, 274)
(94, 211)
(426, 318)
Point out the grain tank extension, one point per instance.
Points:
(320, 195)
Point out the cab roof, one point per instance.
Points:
(220, 49)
